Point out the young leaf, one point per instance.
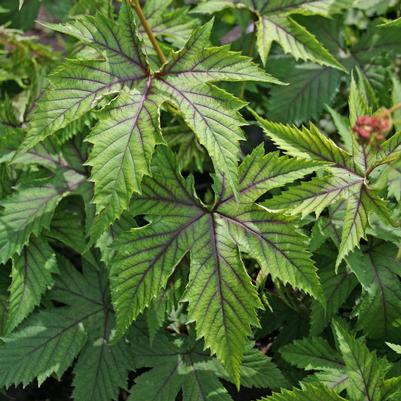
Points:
(396, 98)
(321, 7)
(259, 173)
(314, 195)
(349, 179)
(395, 347)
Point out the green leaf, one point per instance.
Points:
(389, 152)
(213, 115)
(355, 223)
(123, 143)
(102, 368)
(343, 128)
(310, 88)
(30, 209)
(222, 299)
(308, 392)
(265, 236)
(258, 370)
(314, 195)
(337, 287)
(210, 112)
(75, 89)
(365, 370)
(46, 345)
(394, 180)
(179, 365)
(349, 178)
(395, 347)
(31, 276)
(203, 386)
(84, 292)
(391, 389)
(101, 371)
(380, 304)
(312, 353)
(377, 41)
(259, 173)
(294, 39)
(172, 25)
(334, 379)
(167, 302)
(147, 256)
(321, 7)
(358, 102)
(306, 143)
(356, 219)
(190, 154)
(213, 6)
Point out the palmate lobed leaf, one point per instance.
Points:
(348, 179)
(222, 300)
(182, 364)
(48, 342)
(125, 137)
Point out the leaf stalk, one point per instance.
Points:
(139, 12)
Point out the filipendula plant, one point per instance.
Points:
(147, 256)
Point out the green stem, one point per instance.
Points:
(139, 12)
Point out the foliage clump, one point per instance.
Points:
(200, 208)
